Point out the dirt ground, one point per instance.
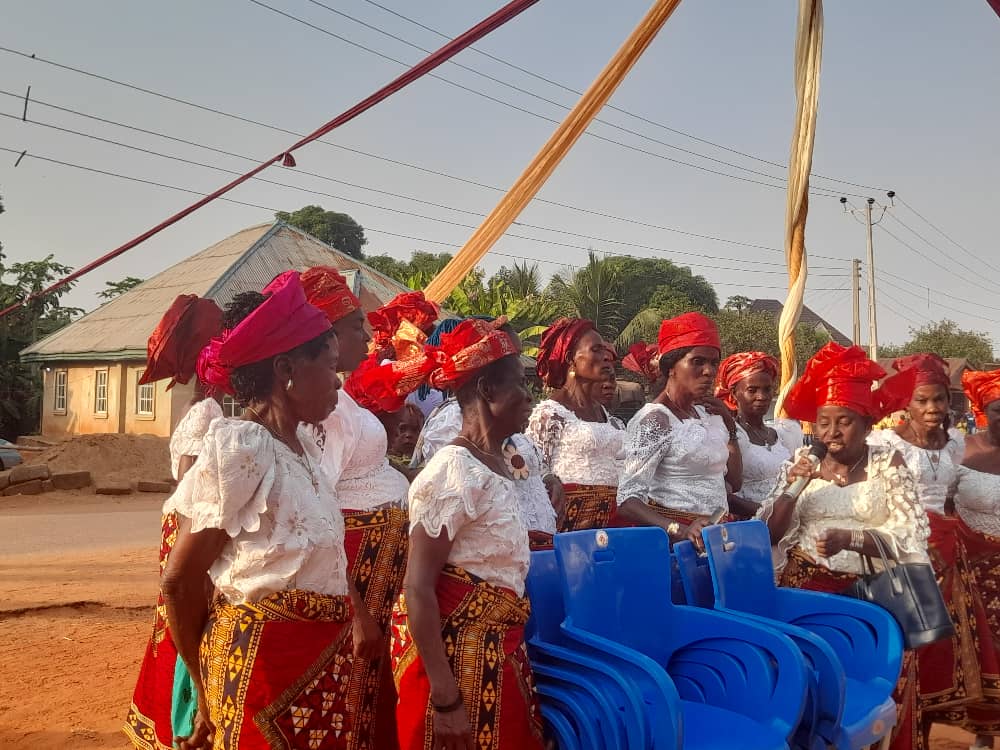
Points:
(77, 587)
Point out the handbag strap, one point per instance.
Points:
(880, 545)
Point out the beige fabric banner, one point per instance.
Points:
(548, 158)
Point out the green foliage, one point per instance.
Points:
(945, 339)
(528, 315)
(338, 230)
(115, 288)
(643, 279)
(420, 268)
(594, 292)
(523, 280)
(739, 303)
(744, 332)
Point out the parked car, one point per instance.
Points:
(9, 457)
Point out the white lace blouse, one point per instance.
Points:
(576, 451)
(935, 472)
(354, 455)
(977, 500)
(886, 502)
(441, 427)
(479, 510)
(279, 509)
(674, 463)
(762, 463)
(190, 431)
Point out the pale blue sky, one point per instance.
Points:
(909, 100)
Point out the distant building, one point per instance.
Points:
(773, 308)
(92, 366)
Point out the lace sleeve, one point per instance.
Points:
(907, 528)
(791, 536)
(447, 494)
(187, 438)
(545, 428)
(646, 441)
(956, 446)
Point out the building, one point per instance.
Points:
(773, 307)
(92, 367)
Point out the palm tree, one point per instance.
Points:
(524, 281)
(593, 292)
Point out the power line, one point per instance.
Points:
(943, 234)
(937, 263)
(936, 248)
(886, 280)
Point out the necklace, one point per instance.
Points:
(481, 452)
(690, 413)
(842, 479)
(302, 459)
(758, 435)
(933, 456)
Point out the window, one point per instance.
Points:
(144, 397)
(59, 407)
(100, 391)
(230, 408)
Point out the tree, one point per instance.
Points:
(338, 230)
(739, 303)
(644, 278)
(116, 288)
(745, 332)
(594, 292)
(421, 265)
(523, 280)
(946, 339)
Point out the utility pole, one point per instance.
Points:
(856, 299)
(872, 310)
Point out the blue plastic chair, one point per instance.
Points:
(560, 729)
(741, 685)
(621, 708)
(865, 638)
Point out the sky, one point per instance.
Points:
(909, 101)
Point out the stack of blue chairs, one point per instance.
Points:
(619, 663)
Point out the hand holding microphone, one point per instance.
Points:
(804, 470)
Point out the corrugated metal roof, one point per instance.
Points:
(247, 260)
(774, 307)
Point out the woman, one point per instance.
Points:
(163, 703)
(949, 670)
(373, 496)
(857, 492)
(468, 561)
(681, 450)
(271, 658)
(643, 359)
(977, 502)
(746, 387)
(579, 441)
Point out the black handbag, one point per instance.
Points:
(910, 593)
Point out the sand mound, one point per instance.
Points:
(113, 457)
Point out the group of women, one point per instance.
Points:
(319, 595)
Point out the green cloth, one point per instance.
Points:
(184, 703)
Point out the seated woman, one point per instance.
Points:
(681, 449)
(580, 442)
(747, 387)
(163, 704)
(267, 528)
(977, 502)
(459, 657)
(857, 492)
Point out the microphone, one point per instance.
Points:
(817, 452)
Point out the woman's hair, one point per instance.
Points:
(492, 373)
(670, 359)
(254, 382)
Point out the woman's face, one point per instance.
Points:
(754, 394)
(592, 359)
(929, 406)
(609, 391)
(510, 399)
(993, 420)
(842, 430)
(352, 338)
(313, 395)
(695, 373)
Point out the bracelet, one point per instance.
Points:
(857, 539)
(451, 707)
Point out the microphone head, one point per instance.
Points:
(818, 450)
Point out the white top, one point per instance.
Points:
(354, 453)
(576, 451)
(676, 463)
(537, 512)
(434, 399)
(479, 510)
(977, 500)
(886, 502)
(935, 472)
(190, 431)
(762, 463)
(284, 532)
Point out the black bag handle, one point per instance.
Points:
(897, 587)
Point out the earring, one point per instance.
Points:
(289, 384)
(572, 372)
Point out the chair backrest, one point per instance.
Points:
(739, 555)
(616, 584)
(544, 589)
(695, 576)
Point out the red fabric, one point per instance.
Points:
(556, 349)
(172, 351)
(283, 321)
(982, 388)
(689, 329)
(736, 367)
(643, 359)
(843, 376)
(473, 345)
(429, 63)
(411, 306)
(995, 4)
(931, 369)
(383, 388)
(327, 289)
